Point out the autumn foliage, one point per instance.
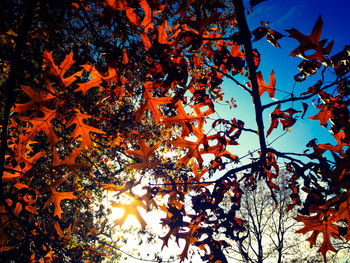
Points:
(120, 96)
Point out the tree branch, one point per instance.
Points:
(245, 35)
(11, 85)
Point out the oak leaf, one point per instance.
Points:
(264, 87)
(285, 117)
(182, 118)
(57, 197)
(340, 138)
(123, 6)
(162, 34)
(151, 103)
(147, 20)
(320, 223)
(189, 238)
(344, 213)
(69, 161)
(37, 99)
(311, 42)
(60, 71)
(60, 233)
(82, 129)
(131, 209)
(146, 42)
(95, 79)
(43, 124)
(324, 115)
(127, 186)
(145, 153)
(22, 154)
(193, 147)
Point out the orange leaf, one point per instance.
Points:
(339, 137)
(95, 78)
(43, 124)
(21, 154)
(125, 57)
(82, 129)
(181, 118)
(121, 189)
(59, 71)
(344, 213)
(151, 103)
(189, 239)
(59, 231)
(193, 147)
(264, 87)
(285, 117)
(324, 115)
(311, 42)
(146, 42)
(18, 209)
(162, 35)
(319, 224)
(69, 161)
(6, 248)
(122, 5)
(31, 209)
(37, 99)
(57, 197)
(131, 209)
(144, 154)
(147, 20)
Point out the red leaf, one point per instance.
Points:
(311, 42)
(57, 197)
(274, 116)
(43, 124)
(95, 78)
(82, 129)
(151, 103)
(147, 20)
(264, 87)
(37, 99)
(324, 115)
(144, 154)
(285, 117)
(320, 223)
(60, 71)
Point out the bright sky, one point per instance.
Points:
(282, 14)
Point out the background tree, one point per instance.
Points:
(121, 95)
(270, 228)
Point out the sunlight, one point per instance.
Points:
(130, 221)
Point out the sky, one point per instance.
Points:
(281, 15)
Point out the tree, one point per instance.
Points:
(270, 228)
(120, 95)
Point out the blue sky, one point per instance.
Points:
(282, 15)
